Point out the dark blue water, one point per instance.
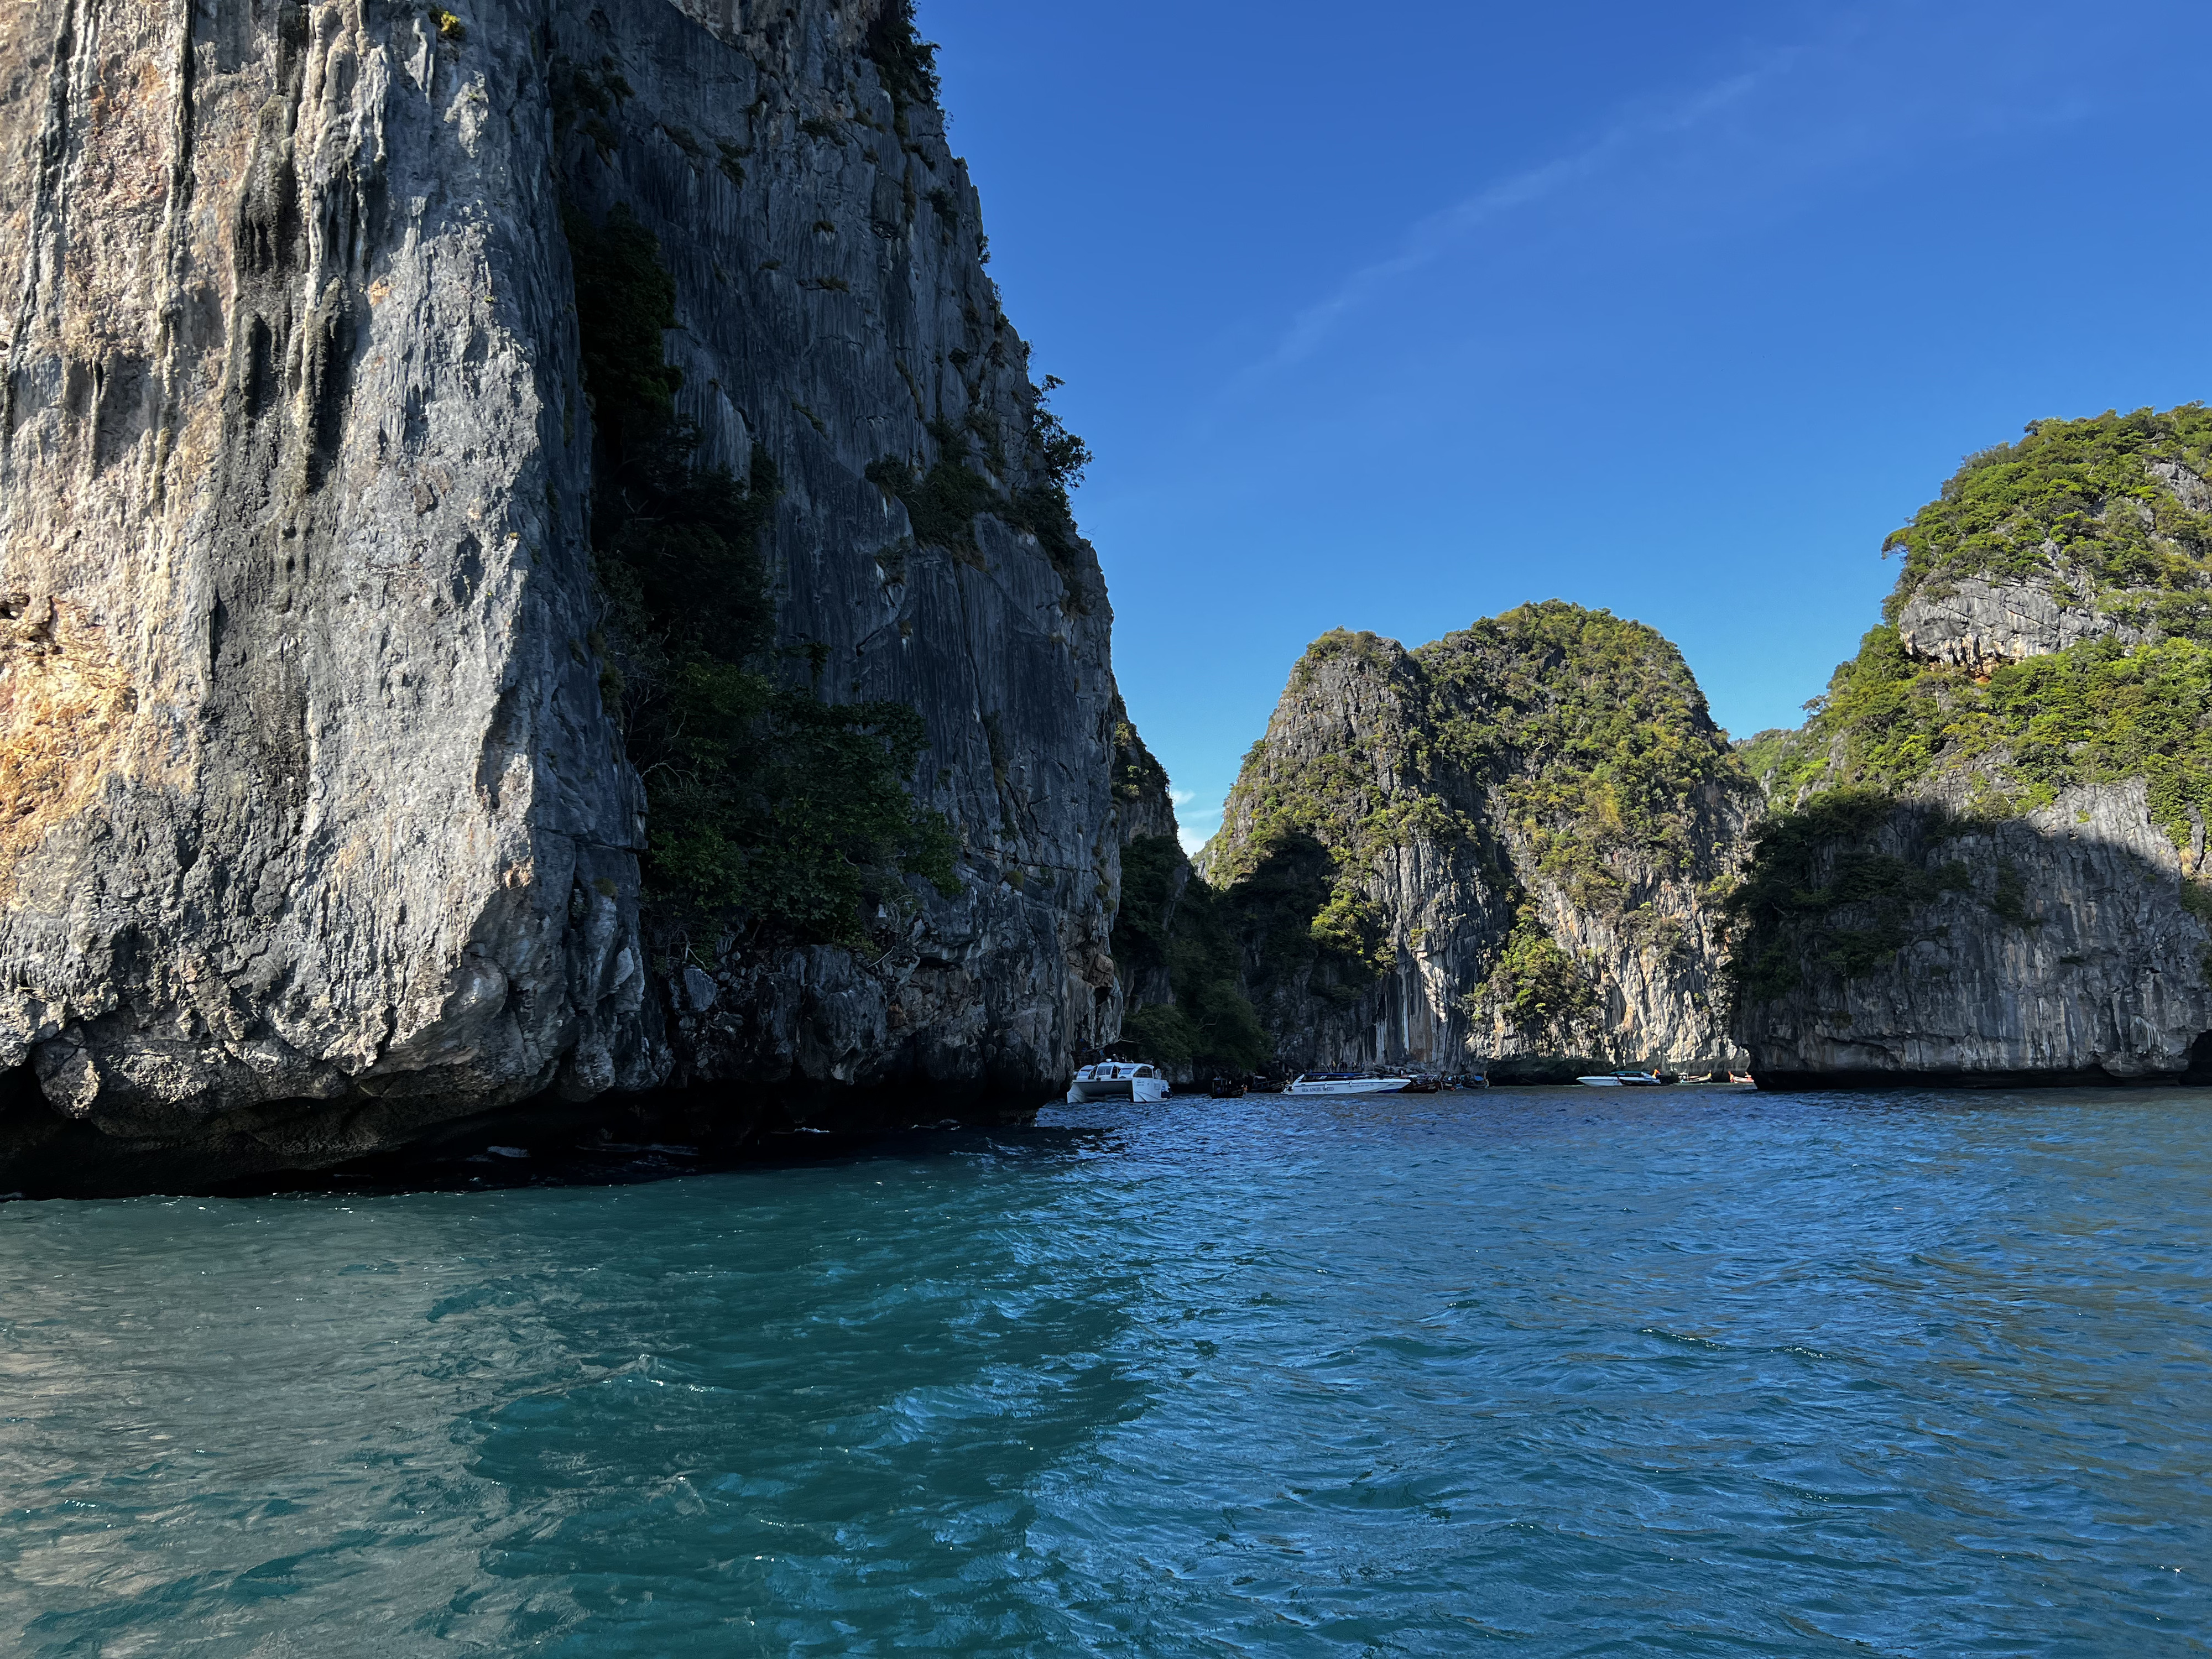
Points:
(1564, 1371)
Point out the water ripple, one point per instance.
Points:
(1683, 1374)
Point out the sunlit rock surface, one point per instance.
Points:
(318, 834)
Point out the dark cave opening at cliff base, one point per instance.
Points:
(2198, 1075)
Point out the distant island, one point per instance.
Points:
(1526, 846)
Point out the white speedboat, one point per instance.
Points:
(1346, 1083)
(1623, 1081)
(1117, 1080)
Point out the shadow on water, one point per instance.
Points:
(519, 1154)
(514, 1161)
(516, 1150)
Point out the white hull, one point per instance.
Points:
(1117, 1080)
(1349, 1086)
(1081, 1091)
(1600, 1082)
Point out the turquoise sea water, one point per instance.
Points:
(1549, 1370)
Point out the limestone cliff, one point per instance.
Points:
(1503, 849)
(828, 260)
(319, 827)
(1985, 860)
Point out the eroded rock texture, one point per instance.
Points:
(1976, 624)
(1144, 807)
(317, 831)
(833, 307)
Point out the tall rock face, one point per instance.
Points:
(316, 831)
(320, 827)
(833, 311)
(1175, 948)
(1505, 849)
(1985, 861)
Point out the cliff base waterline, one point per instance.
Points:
(608, 1139)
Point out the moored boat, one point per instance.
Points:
(1346, 1083)
(1623, 1080)
(1117, 1080)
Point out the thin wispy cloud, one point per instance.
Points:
(1189, 826)
(1432, 237)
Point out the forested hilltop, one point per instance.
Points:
(1985, 847)
(1507, 846)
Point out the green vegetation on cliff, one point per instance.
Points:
(1819, 890)
(2096, 712)
(905, 61)
(761, 799)
(1173, 938)
(1596, 734)
(1169, 919)
(1338, 795)
(974, 476)
(2091, 509)
(1549, 747)
(1541, 988)
(2076, 499)
(1137, 775)
(1588, 728)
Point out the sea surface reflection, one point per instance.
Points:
(1577, 1371)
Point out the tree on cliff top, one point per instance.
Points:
(1590, 728)
(2092, 509)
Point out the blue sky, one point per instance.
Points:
(1393, 318)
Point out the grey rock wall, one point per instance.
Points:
(1144, 807)
(1976, 623)
(2086, 965)
(834, 308)
(318, 834)
(2068, 945)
